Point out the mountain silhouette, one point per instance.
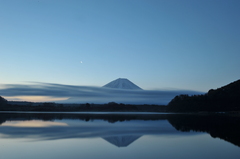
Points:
(226, 98)
(122, 83)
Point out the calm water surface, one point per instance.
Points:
(89, 136)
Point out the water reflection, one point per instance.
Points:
(120, 130)
(122, 141)
(120, 134)
(33, 123)
(226, 127)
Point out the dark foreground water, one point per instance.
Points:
(118, 136)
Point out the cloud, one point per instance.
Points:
(91, 94)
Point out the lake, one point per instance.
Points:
(118, 136)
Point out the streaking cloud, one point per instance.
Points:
(91, 94)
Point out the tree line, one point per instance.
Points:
(226, 98)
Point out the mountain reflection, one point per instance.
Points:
(120, 130)
(226, 127)
(122, 141)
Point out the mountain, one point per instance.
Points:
(226, 98)
(122, 83)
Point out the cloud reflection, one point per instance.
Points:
(91, 130)
(34, 123)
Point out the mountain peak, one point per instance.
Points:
(122, 83)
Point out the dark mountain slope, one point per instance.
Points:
(3, 102)
(226, 98)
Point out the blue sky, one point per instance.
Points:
(187, 44)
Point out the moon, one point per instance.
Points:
(80, 61)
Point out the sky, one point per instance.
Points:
(156, 44)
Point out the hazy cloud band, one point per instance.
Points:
(79, 94)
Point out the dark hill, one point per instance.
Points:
(3, 102)
(226, 98)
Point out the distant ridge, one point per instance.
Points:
(122, 83)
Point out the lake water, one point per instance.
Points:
(118, 136)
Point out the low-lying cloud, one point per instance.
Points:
(91, 94)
